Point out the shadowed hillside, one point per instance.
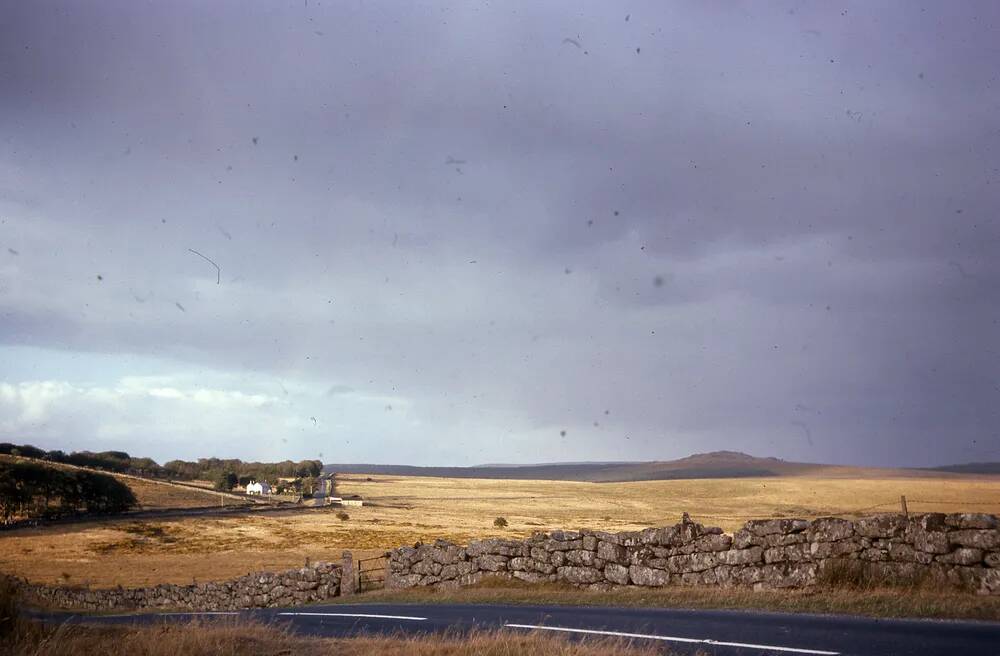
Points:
(718, 464)
(970, 468)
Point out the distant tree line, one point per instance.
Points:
(32, 490)
(225, 473)
(113, 461)
(212, 469)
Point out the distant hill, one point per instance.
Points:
(718, 464)
(970, 468)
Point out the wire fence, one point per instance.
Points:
(853, 511)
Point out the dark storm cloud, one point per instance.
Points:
(453, 204)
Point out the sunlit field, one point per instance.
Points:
(404, 510)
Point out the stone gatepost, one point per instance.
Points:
(348, 579)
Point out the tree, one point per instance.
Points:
(26, 451)
(145, 467)
(226, 481)
(13, 495)
(500, 522)
(104, 494)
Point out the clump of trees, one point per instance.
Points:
(226, 481)
(32, 490)
(210, 469)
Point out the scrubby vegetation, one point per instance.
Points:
(30, 490)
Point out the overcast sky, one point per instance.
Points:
(501, 232)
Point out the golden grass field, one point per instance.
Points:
(403, 510)
(154, 495)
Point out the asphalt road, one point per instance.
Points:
(726, 633)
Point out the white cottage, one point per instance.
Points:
(255, 488)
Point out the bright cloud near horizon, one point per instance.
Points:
(449, 234)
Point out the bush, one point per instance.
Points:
(9, 616)
(500, 522)
(226, 481)
(18, 634)
(342, 516)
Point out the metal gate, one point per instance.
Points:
(371, 573)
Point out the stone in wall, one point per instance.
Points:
(881, 526)
(829, 529)
(647, 576)
(741, 556)
(970, 520)
(976, 538)
(927, 533)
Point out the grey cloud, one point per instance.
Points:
(811, 219)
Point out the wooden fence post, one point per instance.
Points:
(902, 504)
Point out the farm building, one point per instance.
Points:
(339, 501)
(256, 489)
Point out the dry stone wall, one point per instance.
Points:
(315, 582)
(960, 550)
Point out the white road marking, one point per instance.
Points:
(207, 612)
(704, 641)
(379, 617)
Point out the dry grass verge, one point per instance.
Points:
(234, 637)
(871, 601)
(241, 638)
